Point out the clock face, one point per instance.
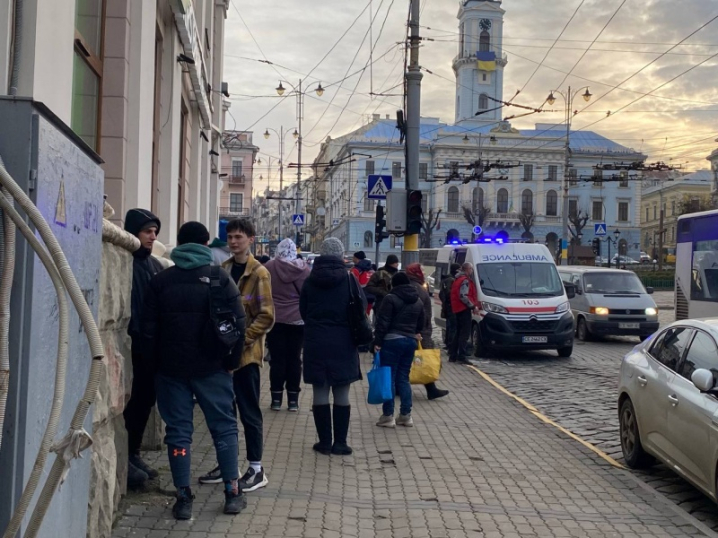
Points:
(485, 24)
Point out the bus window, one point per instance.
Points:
(704, 272)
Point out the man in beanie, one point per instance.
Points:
(145, 226)
(363, 272)
(191, 362)
(379, 284)
(254, 283)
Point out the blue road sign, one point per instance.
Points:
(599, 229)
(477, 230)
(298, 220)
(378, 186)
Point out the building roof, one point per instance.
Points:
(700, 178)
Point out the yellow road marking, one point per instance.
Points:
(547, 420)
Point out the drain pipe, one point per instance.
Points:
(60, 373)
(76, 439)
(7, 254)
(17, 47)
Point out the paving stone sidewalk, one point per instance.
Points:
(477, 464)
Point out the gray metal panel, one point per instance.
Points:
(60, 164)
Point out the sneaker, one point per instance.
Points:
(182, 508)
(137, 461)
(405, 420)
(212, 477)
(253, 480)
(276, 404)
(234, 500)
(293, 402)
(386, 421)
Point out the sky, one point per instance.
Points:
(550, 45)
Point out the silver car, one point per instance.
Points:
(668, 405)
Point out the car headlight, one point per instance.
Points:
(599, 310)
(563, 307)
(651, 311)
(496, 309)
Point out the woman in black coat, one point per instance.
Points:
(331, 360)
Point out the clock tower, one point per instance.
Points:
(479, 64)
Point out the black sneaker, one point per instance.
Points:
(138, 462)
(253, 480)
(212, 477)
(182, 508)
(234, 500)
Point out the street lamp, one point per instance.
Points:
(609, 242)
(281, 134)
(568, 98)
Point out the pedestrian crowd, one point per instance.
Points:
(202, 329)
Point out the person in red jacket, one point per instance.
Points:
(362, 271)
(464, 302)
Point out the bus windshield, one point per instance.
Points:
(613, 283)
(519, 279)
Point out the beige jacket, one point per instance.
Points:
(255, 289)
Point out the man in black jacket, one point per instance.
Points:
(145, 226)
(191, 362)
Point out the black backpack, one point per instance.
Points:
(224, 322)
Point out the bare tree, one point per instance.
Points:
(692, 203)
(579, 220)
(469, 215)
(527, 221)
(481, 214)
(428, 224)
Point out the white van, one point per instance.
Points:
(524, 304)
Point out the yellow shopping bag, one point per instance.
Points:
(426, 366)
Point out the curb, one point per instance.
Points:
(674, 508)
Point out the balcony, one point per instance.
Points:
(236, 180)
(503, 217)
(233, 212)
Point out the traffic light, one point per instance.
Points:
(413, 212)
(596, 244)
(379, 225)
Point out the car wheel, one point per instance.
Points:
(565, 351)
(476, 345)
(582, 330)
(633, 452)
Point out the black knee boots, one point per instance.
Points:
(341, 428)
(323, 423)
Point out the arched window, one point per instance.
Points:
(483, 101)
(461, 40)
(527, 202)
(623, 247)
(551, 204)
(484, 41)
(502, 201)
(368, 239)
(453, 203)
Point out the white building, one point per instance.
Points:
(534, 187)
(140, 82)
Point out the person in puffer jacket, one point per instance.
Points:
(396, 335)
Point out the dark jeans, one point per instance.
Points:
(215, 396)
(285, 346)
(459, 347)
(398, 354)
(142, 399)
(246, 391)
(450, 330)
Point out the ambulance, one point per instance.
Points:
(524, 305)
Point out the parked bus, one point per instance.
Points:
(696, 294)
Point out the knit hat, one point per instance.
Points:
(193, 232)
(391, 259)
(332, 247)
(414, 272)
(399, 279)
(360, 255)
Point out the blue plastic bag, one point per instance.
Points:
(379, 383)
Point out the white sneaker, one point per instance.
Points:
(405, 420)
(386, 421)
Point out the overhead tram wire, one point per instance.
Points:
(254, 39)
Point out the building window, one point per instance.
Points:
(424, 204)
(87, 71)
(477, 199)
(655, 211)
(673, 208)
(572, 207)
(236, 169)
(453, 202)
(622, 211)
(484, 77)
(423, 170)
(369, 168)
(647, 213)
(572, 177)
(527, 202)
(484, 41)
(646, 241)
(461, 41)
(236, 201)
(624, 179)
(483, 102)
(552, 172)
(396, 170)
(673, 233)
(528, 172)
(368, 203)
(502, 201)
(597, 210)
(551, 204)
(368, 239)
(598, 178)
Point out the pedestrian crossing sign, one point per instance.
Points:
(378, 186)
(599, 229)
(298, 220)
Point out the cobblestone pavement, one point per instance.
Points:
(477, 464)
(580, 394)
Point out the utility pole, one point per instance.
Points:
(281, 176)
(298, 207)
(566, 177)
(410, 253)
(661, 231)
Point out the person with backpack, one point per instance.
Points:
(446, 312)
(398, 330)
(191, 362)
(379, 284)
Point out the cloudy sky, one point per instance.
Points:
(330, 41)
